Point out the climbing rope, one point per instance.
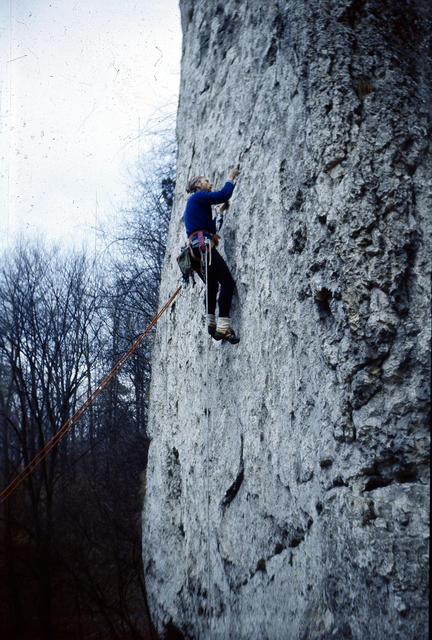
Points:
(205, 251)
(209, 567)
(208, 440)
(31, 466)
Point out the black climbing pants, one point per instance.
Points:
(218, 274)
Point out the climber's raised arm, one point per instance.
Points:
(202, 187)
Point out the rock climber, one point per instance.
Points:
(201, 231)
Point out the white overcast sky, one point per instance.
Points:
(79, 80)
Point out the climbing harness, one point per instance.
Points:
(187, 260)
(31, 466)
(190, 258)
(203, 241)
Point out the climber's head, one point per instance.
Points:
(198, 183)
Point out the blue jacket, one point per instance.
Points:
(198, 214)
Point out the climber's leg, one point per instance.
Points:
(221, 273)
(227, 285)
(212, 285)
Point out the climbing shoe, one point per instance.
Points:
(211, 324)
(227, 335)
(211, 328)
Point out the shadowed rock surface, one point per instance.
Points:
(318, 419)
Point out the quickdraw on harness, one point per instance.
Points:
(191, 260)
(203, 241)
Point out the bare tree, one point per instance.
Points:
(141, 240)
(48, 318)
(71, 558)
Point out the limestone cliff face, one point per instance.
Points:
(318, 432)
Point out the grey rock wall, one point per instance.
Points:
(317, 422)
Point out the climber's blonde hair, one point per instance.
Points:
(193, 184)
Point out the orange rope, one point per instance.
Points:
(31, 466)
